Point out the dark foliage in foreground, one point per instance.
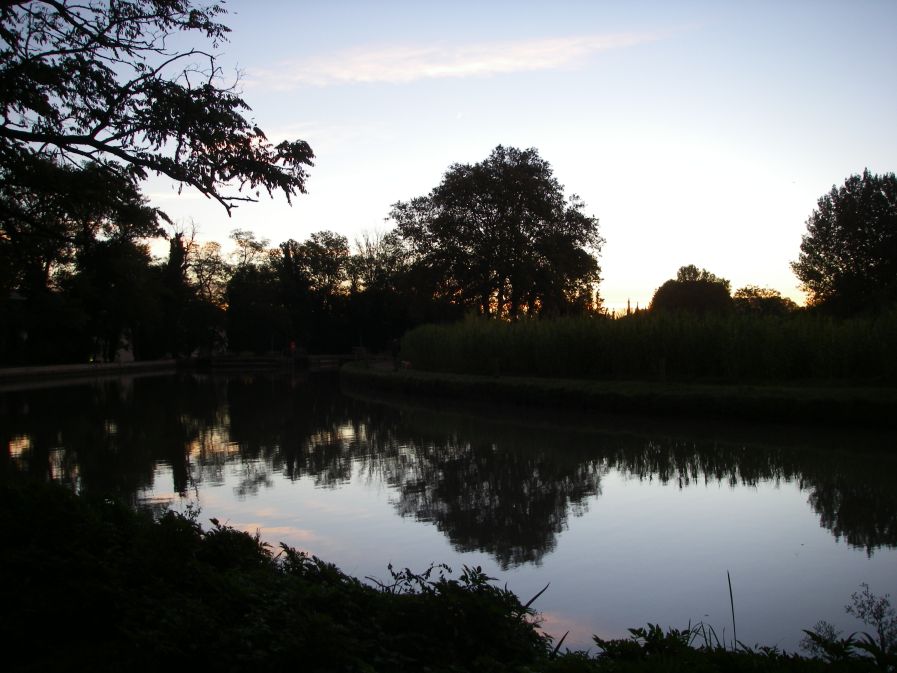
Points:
(115, 590)
(92, 585)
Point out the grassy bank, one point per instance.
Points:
(825, 405)
(115, 590)
(93, 585)
(802, 348)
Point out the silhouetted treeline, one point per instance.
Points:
(77, 281)
(497, 239)
(700, 292)
(107, 295)
(104, 296)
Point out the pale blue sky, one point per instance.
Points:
(698, 133)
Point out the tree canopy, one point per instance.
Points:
(97, 95)
(499, 235)
(848, 257)
(99, 81)
(691, 273)
(694, 290)
(762, 301)
(42, 228)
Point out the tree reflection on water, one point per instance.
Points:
(505, 487)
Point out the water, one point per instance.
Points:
(629, 520)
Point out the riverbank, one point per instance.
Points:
(85, 370)
(115, 589)
(832, 406)
(225, 362)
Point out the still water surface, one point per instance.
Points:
(629, 521)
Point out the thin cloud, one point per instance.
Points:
(409, 63)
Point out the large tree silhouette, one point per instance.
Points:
(693, 290)
(95, 98)
(499, 235)
(99, 80)
(848, 257)
(49, 212)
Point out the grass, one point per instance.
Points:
(97, 586)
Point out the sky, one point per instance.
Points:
(697, 133)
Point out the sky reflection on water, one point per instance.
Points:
(628, 527)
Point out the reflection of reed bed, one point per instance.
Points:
(846, 473)
(674, 347)
(795, 404)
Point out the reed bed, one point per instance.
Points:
(666, 347)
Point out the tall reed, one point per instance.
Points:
(733, 348)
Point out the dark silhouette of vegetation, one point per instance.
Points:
(257, 320)
(695, 291)
(500, 236)
(879, 647)
(100, 81)
(848, 257)
(762, 301)
(313, 278)
(94, 99)
(323, 296)
(112, 284)
(41, 233)
(319, 294)
(796, 348)
(143, 594)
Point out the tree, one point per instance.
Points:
(94, 99)
(753, 300)
(52, 218)
(114, 285)
(325, 260)
(50, 211)
(311, 276)
(378, 262)
(691, 273)
(693, 290)
(211, 273)
(250, 251)
(500, 236)
(848, 257)
(98, 81)
(256, 318)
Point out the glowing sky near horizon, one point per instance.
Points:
(698, 133)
